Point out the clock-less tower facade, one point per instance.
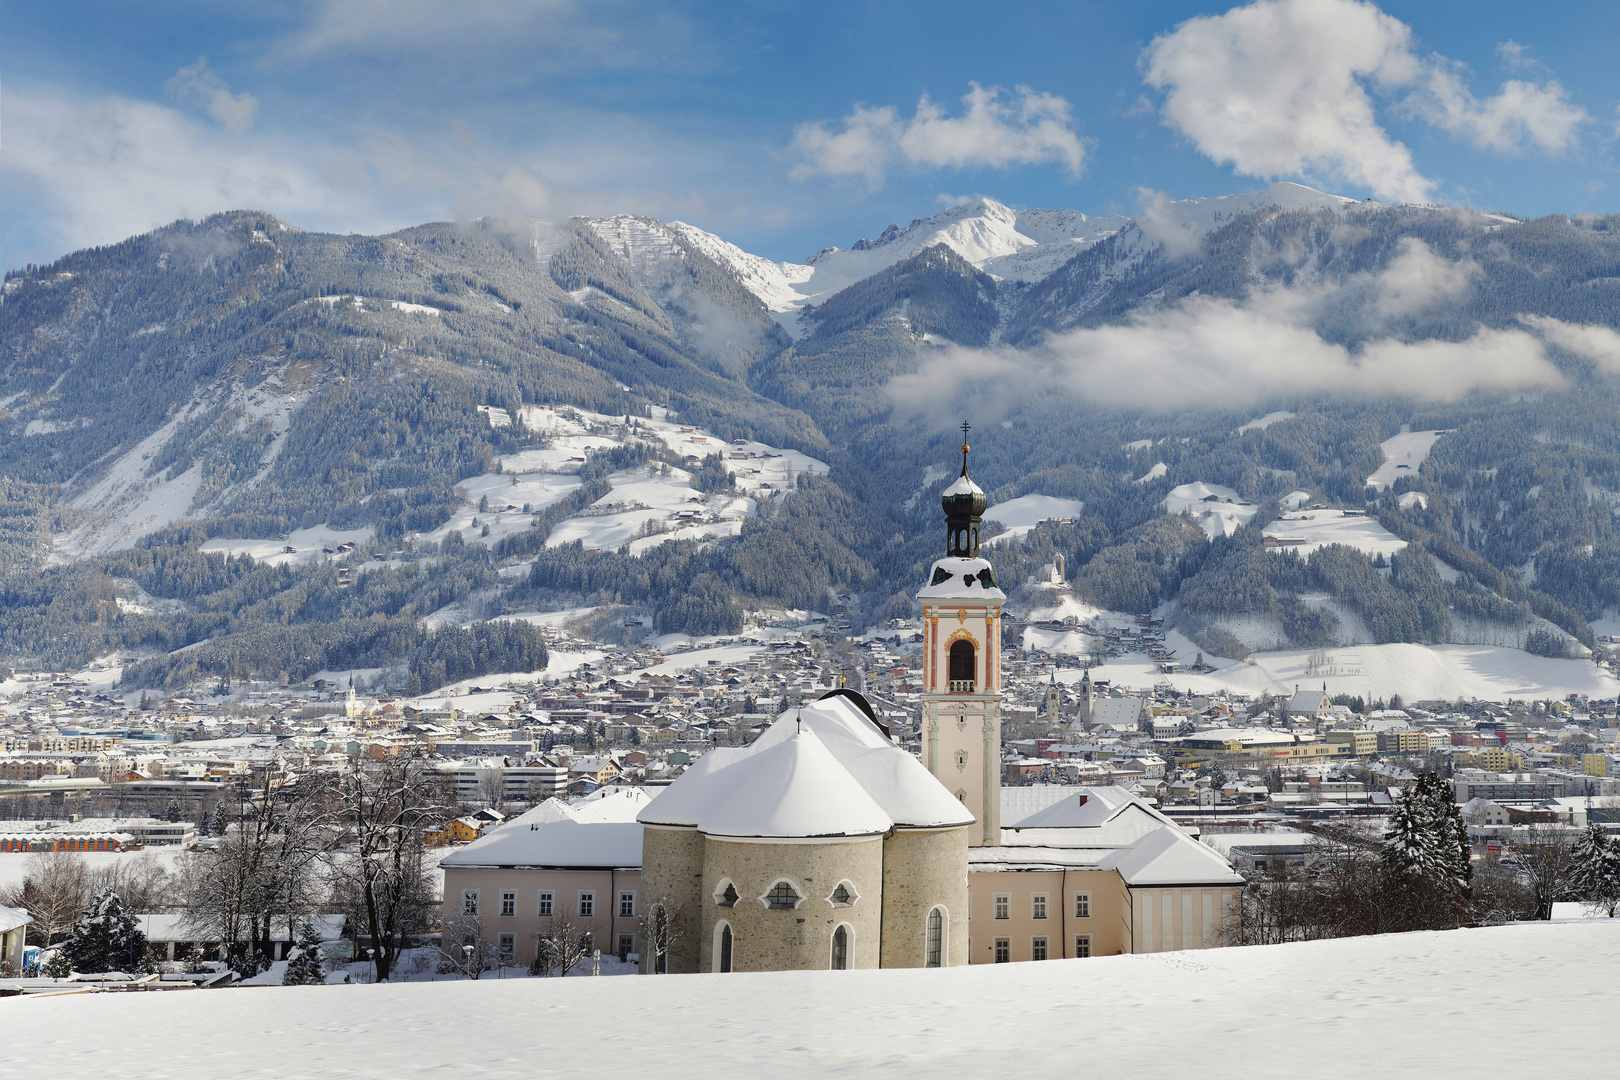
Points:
(961, 608)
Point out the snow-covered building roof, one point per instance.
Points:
(1168, 856)
(964, 579)
(795, 788)
(825, 769)
(601, 834)
(1105, 827)
(11, 918)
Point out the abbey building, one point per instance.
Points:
(827, 845)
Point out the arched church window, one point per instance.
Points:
(783, 896)
(727, 897)
(840, 948)
(934, 945)
(843, 895)
(961, 667)
(722, 947)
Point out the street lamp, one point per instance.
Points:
(468, 949)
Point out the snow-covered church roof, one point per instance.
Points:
(822, 770)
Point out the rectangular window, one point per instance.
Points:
(508, 947)
(1003, 907)
(547, 898)
(1082, 905)
(627, 945)
(1037, 906)
(469, 902)
(508, 902)
(1082, 945)
(588, 940)
(1003, 950)
(587, 905)
(627, 905)
(1037, 948)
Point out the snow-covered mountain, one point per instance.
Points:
(1022, 246)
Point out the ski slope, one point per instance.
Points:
(1416, 1005)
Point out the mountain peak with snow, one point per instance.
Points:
(1015, 245)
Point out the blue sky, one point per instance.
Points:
(785, 127)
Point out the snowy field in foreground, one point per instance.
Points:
(1506, 1001)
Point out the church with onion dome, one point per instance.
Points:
(827, 845)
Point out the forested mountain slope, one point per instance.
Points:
(237, 377)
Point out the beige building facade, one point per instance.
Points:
(823, 846)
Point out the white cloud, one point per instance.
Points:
(1519, 115)
(1277, 89)
(1213, 352)
(201, 85)
(106, 168)
(560, 35)
(1179, 239)
(1599, 344)
(865, 147)
(1286, 87)
(995, 130)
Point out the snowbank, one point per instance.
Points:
(1353, 1007)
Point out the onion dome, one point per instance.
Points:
(964, 504)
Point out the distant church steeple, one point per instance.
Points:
(964, 504)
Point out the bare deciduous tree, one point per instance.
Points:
(385, 807)
(55, 891)
(663, 926)
(263, 875)
(562, 945)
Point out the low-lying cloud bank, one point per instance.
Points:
(1214, 352)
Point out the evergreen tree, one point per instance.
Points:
(107, 938)
(173, 812)
(305, 967)
(1596, 876)
(221, 819)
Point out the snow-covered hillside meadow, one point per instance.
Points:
(1218, 510)
(1522, 1000)
(1416, 672)
(648, 504)
(1403, 455)
(1318, 528)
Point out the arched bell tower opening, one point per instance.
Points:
(962, 663)
(961, 666)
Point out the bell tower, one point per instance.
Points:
(962, 662)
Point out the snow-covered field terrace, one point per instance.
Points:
(1523, 1000)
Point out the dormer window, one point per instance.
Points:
(727, 897)
(783, 897)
